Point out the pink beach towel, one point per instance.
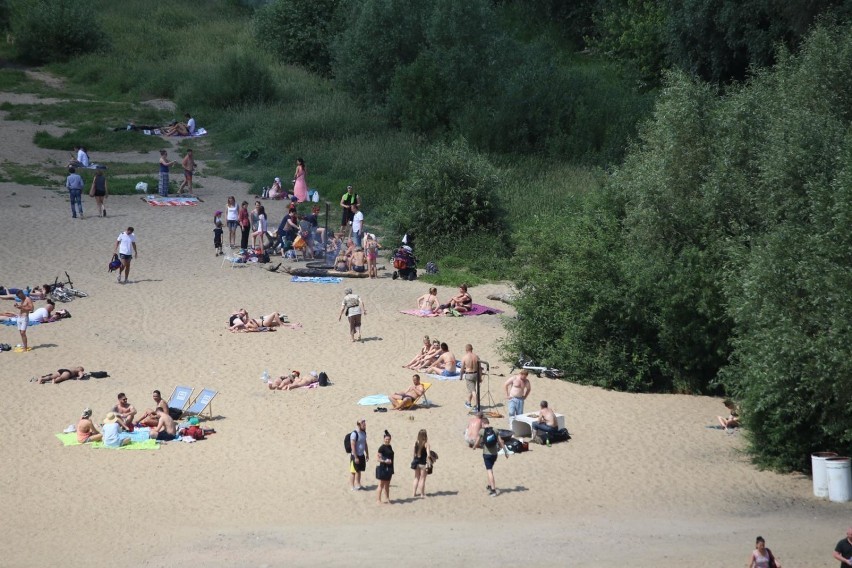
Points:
(475, 310)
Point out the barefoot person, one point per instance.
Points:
(517, 390)
(25, 306)
(420, 461)
(125, 246)
(470, 371)
(100, 191)
(166, 429)
(62, 375)
(412, 393)
(547, 422)
(474, 425)
(188, 169)
(86, 431)
(384, 471)
(353, 307)
(125, 411)
(445, 365)
(112, 431)
(165, 164)
(149, 417)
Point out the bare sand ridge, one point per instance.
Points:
(642, 483)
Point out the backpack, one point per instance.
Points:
(323, 380)
(431, 268)
(347, 441)
(195, 432)
(490, 436)
(114, 264)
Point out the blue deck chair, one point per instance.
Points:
(178, 400)
(202, 403)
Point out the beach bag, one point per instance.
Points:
(299, 243)
(561, 435)
(347, 441)
(431, 268)
(323, 379)
(142, 187)
(114, 264)
(516, 446)
(194, 432)
(175, 413)
(400, 263)
(99, 374)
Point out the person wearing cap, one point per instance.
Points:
(112, 429)
(86, 431)
(188, 169)
(358, 458)
(349, 199)
(354, 308)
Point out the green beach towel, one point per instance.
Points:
(71, 440)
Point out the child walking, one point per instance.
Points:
(217, 232)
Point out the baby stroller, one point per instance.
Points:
(404, 263)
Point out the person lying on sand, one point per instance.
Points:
(293, 381)
(39, 315)
(412, 393)
(445, 365)
(240, 321)
(36, 293)
(62, 375)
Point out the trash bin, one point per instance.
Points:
(819, 475)
(839, 479)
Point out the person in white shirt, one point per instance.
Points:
(125, 246)
(357, 225)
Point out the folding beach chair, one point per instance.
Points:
(202, 402)
(407, 403)
(178, 400)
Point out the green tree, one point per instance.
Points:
(297, 32)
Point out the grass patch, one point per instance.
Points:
(26, 175)
(96, 138)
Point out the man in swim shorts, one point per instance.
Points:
(412, 393)
(188, 169)
(470, 372)
(517, 390)
(125, 411)
(25, 306)
(445, 365)
(359, 457)
(471, 433)
(149, 417)
(166, 429)
(86, 431)
(62, 375)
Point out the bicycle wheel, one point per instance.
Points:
(78, 293)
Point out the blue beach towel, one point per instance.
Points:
(14, 322)
(374, 400)
(317, 279)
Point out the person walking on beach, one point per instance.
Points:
(25, 307)
(188, 169)
(384, 471)
(165, 164)
(353, 307)
(125, 246)
(517, 390)
(358, 458)
(100, 191)
(843, 550)
(762, 557)
(470, 372)
(491, 445)
(74, 183)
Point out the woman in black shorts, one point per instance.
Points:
(99, 190)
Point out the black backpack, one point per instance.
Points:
(323, 381)
(490, 437)
(347, 441)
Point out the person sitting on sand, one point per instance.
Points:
(149, 417)
(474, 425)
(733, 419)
(430, 357)
(62, 375)
(276, 191)
(181, 128)
(358, 261)
(125, 411)
(427, 304)
(445, 365)
(461, 302)
(427, 346)
(112, 429)
(86, 431)
(412, 393)
(166, 429)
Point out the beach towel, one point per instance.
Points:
(479, 310)
(14, 321)
(70, 439)
(374, 400)
(159, 201)
(317, 279)
(456, 377)
(157, 132)
(420, 313)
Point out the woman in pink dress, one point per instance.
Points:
(300, 184)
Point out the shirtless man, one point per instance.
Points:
(86, 431)
(470, 372)
(125, 410)
(25, 306)
(166, 429)
(471, 433)
(546, 419)
(188, 169)
(149, 417)
(445, 365)
(61, 375)
(517, 390)
(412, 393)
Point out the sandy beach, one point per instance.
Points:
(643, 482)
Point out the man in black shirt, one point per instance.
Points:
(843, 550)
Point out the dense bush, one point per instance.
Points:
(297, 32)
(449, 193)
(55, 30)
(238, 79)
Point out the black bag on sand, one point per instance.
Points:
(175, 413)
(99, 374)
(323, 379)
(516, 446)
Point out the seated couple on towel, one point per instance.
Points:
(460, 303)
(293, 381)
(240, 321)
(429, 353)
(445, 365)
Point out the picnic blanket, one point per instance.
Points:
(317, 279)
(159, 201)
(374, 400)
(157, 132)
(70, 439)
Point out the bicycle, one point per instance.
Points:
(524, 362)
(65, 291)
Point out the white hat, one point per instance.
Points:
(278, 180)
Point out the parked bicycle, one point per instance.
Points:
(65, 291)
(525, 362)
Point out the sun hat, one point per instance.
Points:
(217, 213)
(110, 417)
(193, 420)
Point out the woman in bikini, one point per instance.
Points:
(428, 303)
(427, 345)
(429, 358)
(461, 302)
(371, 247)
(86, 431)
(358, 261)
(240, 321)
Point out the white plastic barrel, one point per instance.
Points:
(839, 476)
(818, 469)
